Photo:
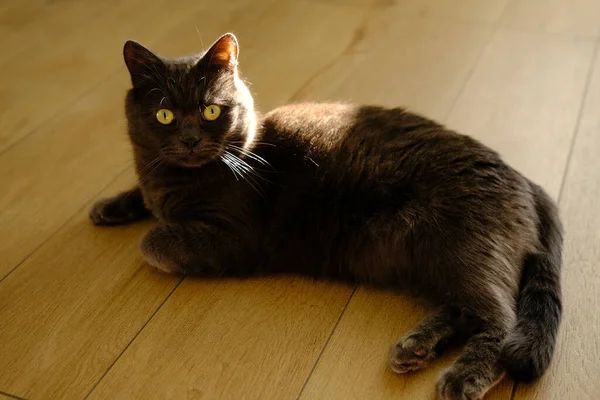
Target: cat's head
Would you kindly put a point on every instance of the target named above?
(188, 111)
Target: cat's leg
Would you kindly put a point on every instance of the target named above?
(121, 209)
(419, 346)
(477, 369)
(197, 249)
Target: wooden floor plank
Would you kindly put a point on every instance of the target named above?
(523, 100)
(569, 17)
(527, 126)
(228, 339)
(53, 173)
(575, 369)
(71, 309)
(487, 11)
(41, 27)
(424, 72)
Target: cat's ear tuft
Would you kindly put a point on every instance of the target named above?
(139, 61)
(224, 52)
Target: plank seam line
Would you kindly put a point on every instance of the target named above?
(469, 76)
(133, 338)
(67, 220)
(12, 396)
(56, 117)
(588, 81)
(309, 375)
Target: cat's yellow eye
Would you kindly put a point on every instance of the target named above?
(211, 112)
(165, 116)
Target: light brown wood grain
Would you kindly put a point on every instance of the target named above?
(459, 10)
(575, 369)
(52, 173)
(42, 26)
(569, 17)
(523, 100)
(388, 64)
(72, 307)
(229, 339)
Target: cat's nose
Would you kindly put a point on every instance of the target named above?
(190, 140)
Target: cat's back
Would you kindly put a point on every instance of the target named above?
(390, 155)
(346, 127)
(376, 141)
(317, 124)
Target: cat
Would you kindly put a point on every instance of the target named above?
(362, 194)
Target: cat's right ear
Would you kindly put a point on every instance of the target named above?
(141, 62)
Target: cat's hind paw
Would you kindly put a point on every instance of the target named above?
(410, 354)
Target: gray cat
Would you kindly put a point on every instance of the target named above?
(365, 194)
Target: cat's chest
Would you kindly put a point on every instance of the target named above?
(172, 202)
(154, 198)
(190, 201)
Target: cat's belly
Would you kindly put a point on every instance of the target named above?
(334, 233)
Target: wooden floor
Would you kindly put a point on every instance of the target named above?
(81, 316)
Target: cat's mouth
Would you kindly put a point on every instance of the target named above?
(195, 157)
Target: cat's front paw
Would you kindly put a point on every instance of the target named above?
(116, 211)
(410, 354)
(106, 212)
(156, 247)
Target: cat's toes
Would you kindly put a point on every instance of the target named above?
(465, 384)
(107, 212)
(410, 354)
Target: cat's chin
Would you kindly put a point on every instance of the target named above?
(191, 162)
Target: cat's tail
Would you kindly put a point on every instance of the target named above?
(527, 350)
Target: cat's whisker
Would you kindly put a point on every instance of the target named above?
(235, 167)
(248, 168)
(251, 155)
(226, 162)
(200, 36)
(149, 168)
(253, 142)
(152, 90)
(241, 169)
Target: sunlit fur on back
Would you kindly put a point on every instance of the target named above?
(357, 193)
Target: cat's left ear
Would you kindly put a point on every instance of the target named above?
(223, 53)
(140, 62)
